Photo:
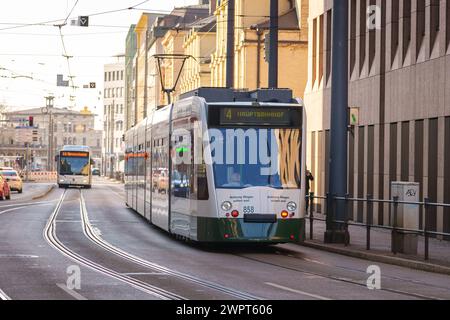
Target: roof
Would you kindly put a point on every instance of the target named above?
(207, 24)
(287, 21)
(38, 111)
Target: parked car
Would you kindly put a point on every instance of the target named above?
(96, 172)
(5, 192)
(13, 179)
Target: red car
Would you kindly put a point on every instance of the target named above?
(5, 191)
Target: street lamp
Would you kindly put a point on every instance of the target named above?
(48, 109)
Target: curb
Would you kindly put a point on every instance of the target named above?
(418, 265)
(39, 196)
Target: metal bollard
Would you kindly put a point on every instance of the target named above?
(394, 230)
(427, 207)
(311, 215)
(369, 220)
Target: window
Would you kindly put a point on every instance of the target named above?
(65, 128)
(420, 29)
(448, 24)
(314, 52)
(74, 140)
(106, 76)
(394, 30)
(406, 27)
(109, 76)
(362, 31)
(121, 108)
(353, 36)
(121, 75)
(435, 21)
(84, 141)
(113, 76)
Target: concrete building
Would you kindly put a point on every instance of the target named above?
(400, 81)
(69, 128)
(114, 117)
(251, 39)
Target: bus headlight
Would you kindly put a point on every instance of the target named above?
(226, 205)
(291, 206)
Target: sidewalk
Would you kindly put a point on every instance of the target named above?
(380, 248)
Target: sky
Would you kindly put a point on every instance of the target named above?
(32, 56)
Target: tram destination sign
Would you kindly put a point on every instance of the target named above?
(278, 117)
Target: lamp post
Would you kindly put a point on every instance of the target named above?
(48, 109)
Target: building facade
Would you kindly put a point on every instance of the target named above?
(200, 43)
(69, 128)
(130, 53)
(399, 80)
(251, 40)
(114, 117)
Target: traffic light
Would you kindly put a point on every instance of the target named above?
(30, 121)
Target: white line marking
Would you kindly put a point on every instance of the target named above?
(27, 204)
(145, 274)
(18, 208)
(73, 293)
(4, 296)
(297, 291)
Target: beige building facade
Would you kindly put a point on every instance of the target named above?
(251, 39)
(399, 79)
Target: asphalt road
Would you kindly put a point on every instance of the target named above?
(88, 245)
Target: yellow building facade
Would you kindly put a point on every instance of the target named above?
(251, 30)
(199, 43)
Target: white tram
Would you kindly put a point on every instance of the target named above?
(221, 166)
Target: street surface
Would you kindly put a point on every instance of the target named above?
(44, 243)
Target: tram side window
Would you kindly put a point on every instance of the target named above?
(188, 177)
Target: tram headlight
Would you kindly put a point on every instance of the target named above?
(291, 206)
(226, 205)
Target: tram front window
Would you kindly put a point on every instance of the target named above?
(74, 166)
(265, 157)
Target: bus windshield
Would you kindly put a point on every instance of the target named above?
(74, 166)
(252, 157)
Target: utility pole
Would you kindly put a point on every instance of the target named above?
(337, 232)
(230, 44)
(273, 50)
(111, 138)
(49, 111)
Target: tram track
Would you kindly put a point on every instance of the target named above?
(92, 235)
(50, 236)
(4, 296)
(335, 278)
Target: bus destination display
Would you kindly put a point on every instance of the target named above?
(74, 154)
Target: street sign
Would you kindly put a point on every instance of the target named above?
(353, 116)
(92, 85)
(83, 21)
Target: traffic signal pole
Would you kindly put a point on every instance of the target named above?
(337, 232)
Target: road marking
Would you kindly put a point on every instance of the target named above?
(27, 204)
(18, 208)
(297, 291)
(73, 293)
(4, 296)
(145, 274)
(26, 256)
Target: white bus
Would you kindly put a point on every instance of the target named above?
(74, 167)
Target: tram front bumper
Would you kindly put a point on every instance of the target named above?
(237, 230)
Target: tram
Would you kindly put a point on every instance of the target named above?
(221, 165)
(74, 167)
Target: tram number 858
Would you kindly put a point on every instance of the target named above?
(249, 209)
